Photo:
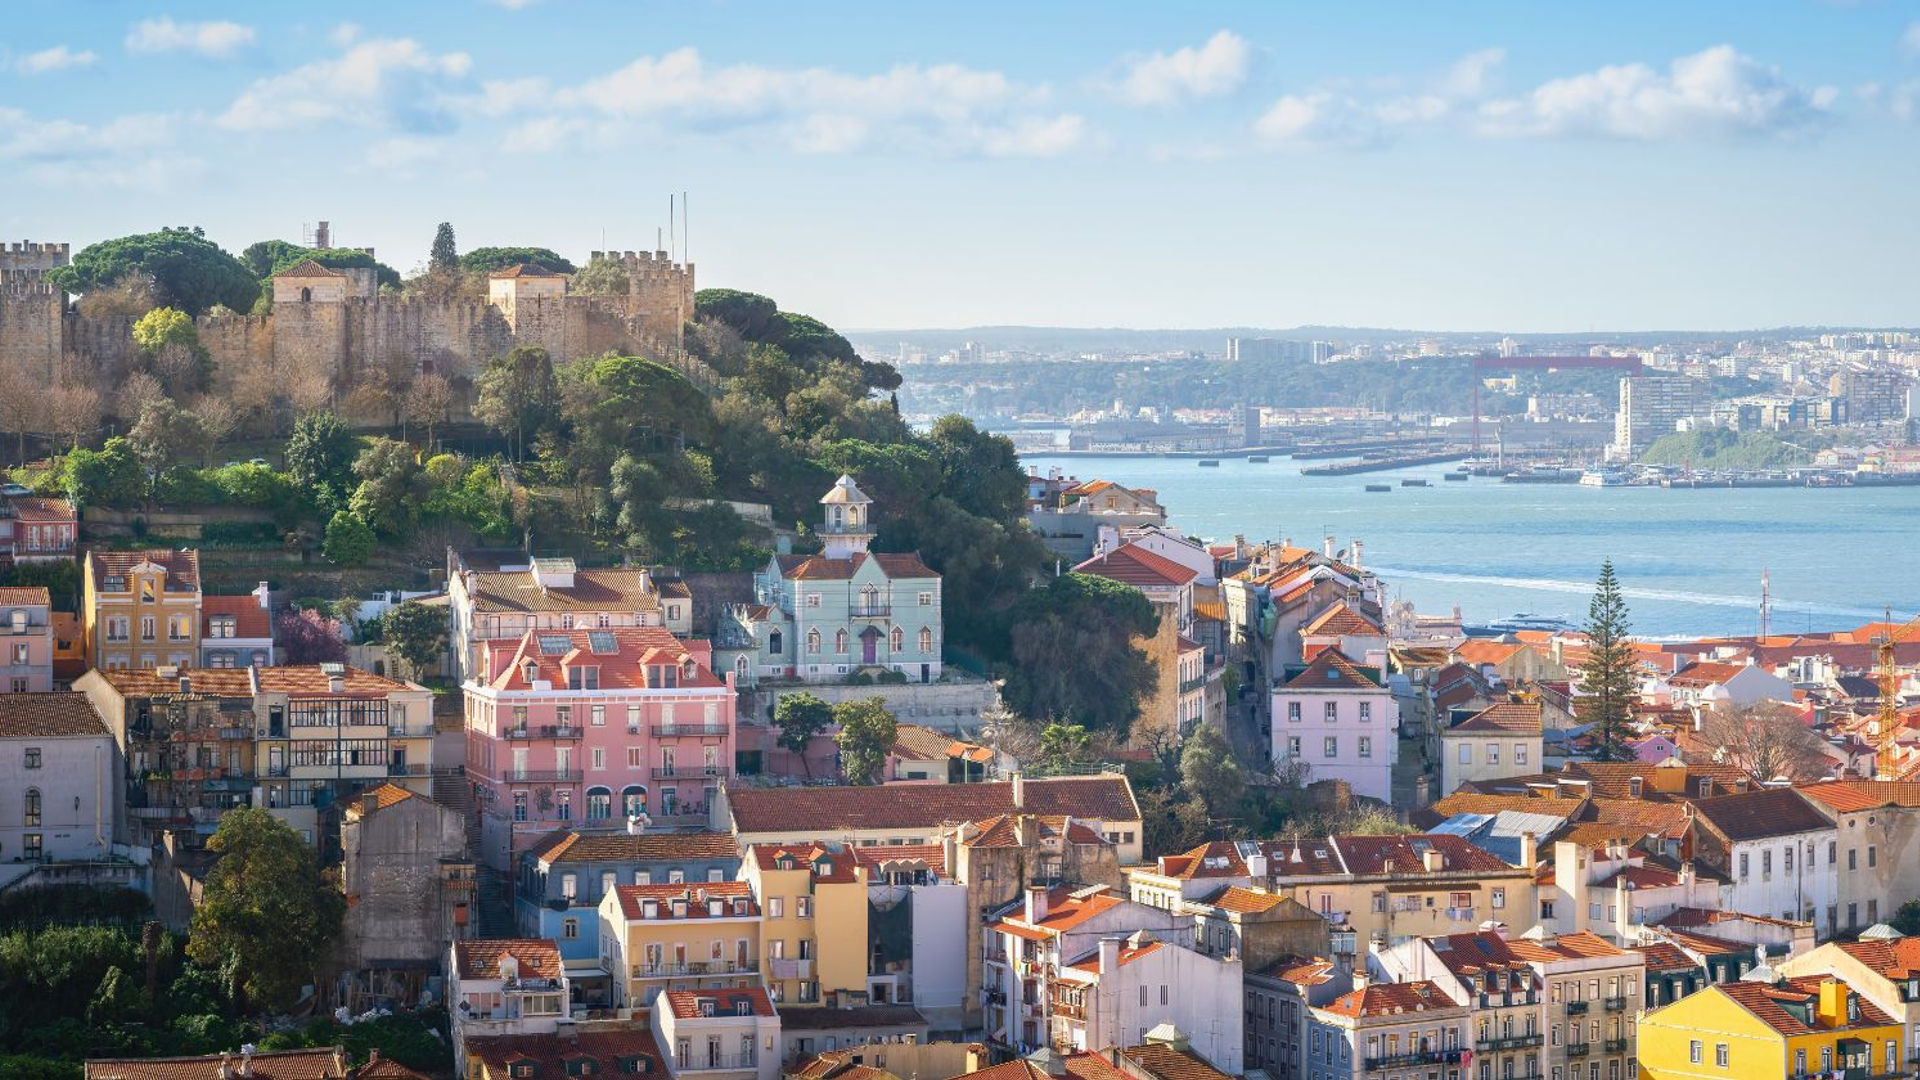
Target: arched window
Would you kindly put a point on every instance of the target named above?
(306, 295)
(869, 599)
(740, 665)
(599, 804)
(840, 642)
(774, 642)
(633, 800)
(926, 640)
(813, 641)
(898, 640)
(32, 820)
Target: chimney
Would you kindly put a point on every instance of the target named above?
(186, 683)
(1257, 870)
(246, 1061)
(1686, 873)
(336, 684)
(1019, 791)
(225, 1071)
(1360, 977)
(369, 802)
(1036, 908)
(263, 592)
(1023, 830)
(1529, 851)
(1109, 955)
(1356, 556)
(1433, 861)
(1833, 1004)
(1326, 545)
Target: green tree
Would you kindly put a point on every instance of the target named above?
(269, 257)
(867, 734)
(800, 717)
(1077, 624)
(518, 395)
(1169, 824)
(443, 257)
(165, 435)
(752, 316)
(1610, 676)
(1063, 746)
(392, 488)
(348, 541)
(320, 455)
(1209, 771)
(485, 260)
(187, 271)
(266, 914)
(109, 476)
(1907, 918)
(416, 633)
(601, 277)
(626, 403)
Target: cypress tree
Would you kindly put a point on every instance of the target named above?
(1609, 679)
(443, 256)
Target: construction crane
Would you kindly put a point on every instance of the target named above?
(1885, 767)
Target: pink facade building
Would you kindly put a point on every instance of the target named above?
(26, 631)
(594, 727)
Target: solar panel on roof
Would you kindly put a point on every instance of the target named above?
(602, 641)
(555, 645)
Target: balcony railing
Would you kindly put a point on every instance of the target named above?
(1576, 1008)
(542, 776)
(689, 772)
(1416, 1057)
(714, 1062)
(1579, 1049)
(401, 769)
(1614, 1046)
(1508, 1042)
(1616, 1004)
(668, 731)
(530, 985)
(1188, 686)
(558, 731)
(695, 967)
(871, 611)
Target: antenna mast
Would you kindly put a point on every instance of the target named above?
(1766, 605)
(673, 243)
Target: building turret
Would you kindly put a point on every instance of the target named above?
(847, 526)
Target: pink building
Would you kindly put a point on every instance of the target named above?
(36, 530)
(26, 666)
(594, 727)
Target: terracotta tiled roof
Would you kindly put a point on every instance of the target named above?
(24, 596)
(1768, 1003)
(182, 567)
(1703, 673)
(1300, 970)
(1216, 858)
(1064, 912)
(1166, 1063)
(249, 618)
(1248, 901)
(383, 796)
(524, 270)
(1707, 944)
(203, 682)
(550, 654)
(1469, 802)
(1332, 671)
(611, 1049)
(1613, 779)
(539, 958)
(579, 846)
(1508, 718)
(1668, 819)
(307, 268)
(824, 810)
(307, 680)
(884, 858)
(1343, 621)
(919, 743)
(299, 681)
(1753, 815)
(896, 566)
(39, 511)
(633, 899)
(685, 1004)
(1898, 959)
(385, 1068)
(1665, 956)
(1693, 916)
(593, 590)
(43, 716)
(325, 1063)
(831, 1064)
(1478, 651)
(828, 866)
(1131, 564)
(1390, 999)
(1128, 954)
(1001, 831)
(1850, 795)
(1375, 854)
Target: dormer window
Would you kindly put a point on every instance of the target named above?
(707, 1007)
(583, 678)
(530, 671)
(523, 1070)
(146, 590)
(824, 868)
(1633, 786)
(739, 907)
(743, 1007)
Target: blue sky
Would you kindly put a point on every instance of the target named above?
(1517, 166)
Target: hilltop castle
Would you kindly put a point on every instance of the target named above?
(336, 321)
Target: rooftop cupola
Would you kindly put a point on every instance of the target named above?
(847, 525)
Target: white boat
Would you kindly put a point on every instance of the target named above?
(1603, 478)
(1522, 621)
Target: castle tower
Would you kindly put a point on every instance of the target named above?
(533, 301)
(659, 292)
(847, 526)
(32, 320)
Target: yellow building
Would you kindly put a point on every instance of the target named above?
(142, 609)
(814, 930)
(679, 937)
(1790, 1028)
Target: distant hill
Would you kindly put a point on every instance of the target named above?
(1048, 339)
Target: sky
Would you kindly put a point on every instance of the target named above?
(1461, 166)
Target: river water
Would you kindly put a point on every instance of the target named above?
(1689, 561)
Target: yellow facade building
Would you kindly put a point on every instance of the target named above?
(141, 609)
(679, 937)
(1813, 1026)
(813, 899)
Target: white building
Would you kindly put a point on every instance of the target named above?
(510, 986)
(1126, 987)
(731, 1034)
(59, 780)
(1778, 854)
(1333, 720)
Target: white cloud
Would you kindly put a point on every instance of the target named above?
(134, 152)
(376, 83)
(217, 39)
(1216, 68)
(1716, 92)
(940, 108)
(345, 34)
(57, 58)
(1910, 39)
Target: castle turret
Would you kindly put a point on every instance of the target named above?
(847, 526)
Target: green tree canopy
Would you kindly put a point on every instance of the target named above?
(1081, 623)
(416, 633)
(109, 476)
(752, 316)
(348, 541)
(485, 260)
(800, 717)
(320, 455)
(266, 914)
(187, 271)
(443, 256)
(1610, 676)
(867, 734)
(392, 488)
(269, 257)
(1063, 746)
(518, 395)
(1209, 770)
(601, 277)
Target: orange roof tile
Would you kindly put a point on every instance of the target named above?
(580, 846)
(739, 1001)
(1386, 999)
(24, 596)
(625, 1050)
(1507, 718)
(824, 811)
(1342, 621)
(1332, 671)
(1131, 564)
(383, 795)
(324, 1063)
(1167, 1063)
(182, 567)
(693, 900)
(1850, 795)
(550, 654)
(826, 865)
(48, 716)
(1768, 1002)
(539, 958)
(250, 619)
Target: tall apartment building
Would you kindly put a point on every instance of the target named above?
(142, 609)
(1872, 395)
(1654, 405)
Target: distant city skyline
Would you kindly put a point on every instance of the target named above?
(1476, 168)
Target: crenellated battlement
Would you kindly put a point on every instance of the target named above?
(24, 283)
(28, 247)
